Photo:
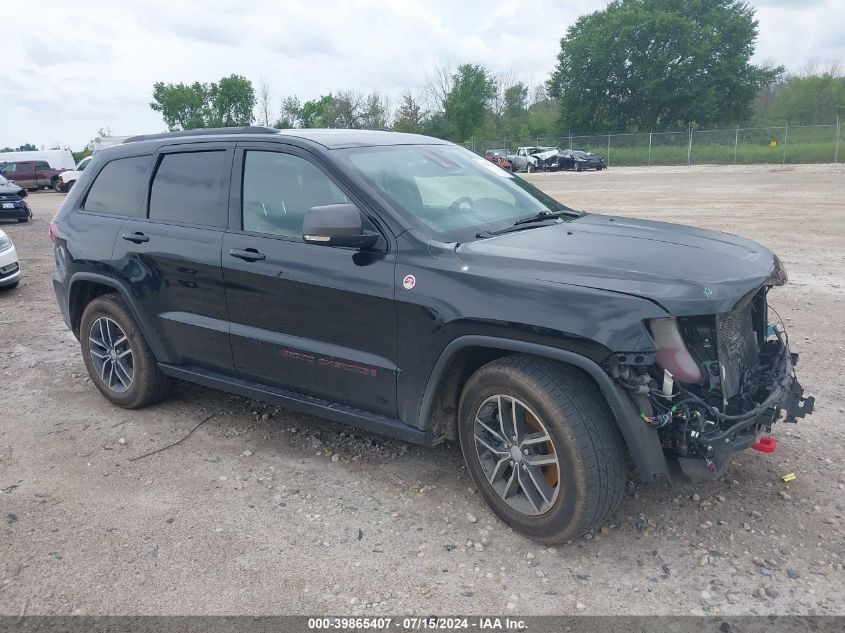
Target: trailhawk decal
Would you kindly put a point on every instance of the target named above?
(364, 370)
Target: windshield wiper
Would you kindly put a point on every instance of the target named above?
(546, 215)
(524, 223)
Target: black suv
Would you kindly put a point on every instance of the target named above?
(404, 285)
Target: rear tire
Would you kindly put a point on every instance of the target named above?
(118, 359)
(580, 458)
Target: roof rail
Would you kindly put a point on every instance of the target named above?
(209, 131)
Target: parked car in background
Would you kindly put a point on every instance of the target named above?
(547, 158)
(12, 203)
(68, 178)
(580, 159)
(426, 295)
(32, 174)
(56, 158)
(499, 157)
(10, 269)
(523, 160)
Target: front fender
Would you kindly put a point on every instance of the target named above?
(643, 442)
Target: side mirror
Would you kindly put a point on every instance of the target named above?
(336, 225)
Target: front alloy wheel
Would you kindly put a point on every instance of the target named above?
(517, 455)
(541, 446)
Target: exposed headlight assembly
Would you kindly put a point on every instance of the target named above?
(672, 353)
(5, 243)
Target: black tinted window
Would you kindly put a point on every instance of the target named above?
(119, 187)
(279, 188)
(187, 188)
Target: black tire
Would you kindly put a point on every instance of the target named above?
(148, 384)
(529, 168)
(23, 219)
(10, 286)
(591, 456)
(577, 167)
(57, 185)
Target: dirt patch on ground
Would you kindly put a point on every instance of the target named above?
(267, 511)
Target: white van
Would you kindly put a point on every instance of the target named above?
(56, 158)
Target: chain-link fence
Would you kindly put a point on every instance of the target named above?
(788, 144)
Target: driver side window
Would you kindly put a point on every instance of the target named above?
(279, 188)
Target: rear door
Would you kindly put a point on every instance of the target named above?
(172, 256)
(39, 173)
(315, 320)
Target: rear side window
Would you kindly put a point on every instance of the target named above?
(119, 187)
(187, 188)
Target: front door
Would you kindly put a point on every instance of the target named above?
(315, 320)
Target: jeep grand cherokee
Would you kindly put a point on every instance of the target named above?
(404, 285)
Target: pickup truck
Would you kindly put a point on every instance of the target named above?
(32, 174)
(68, 178)
(523, 159)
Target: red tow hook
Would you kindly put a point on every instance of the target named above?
(765, 445)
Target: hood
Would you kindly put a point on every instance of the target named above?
(9, 188)
(685, 270)
(549, 153)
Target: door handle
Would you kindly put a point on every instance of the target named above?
(135, 237)
(247, 254)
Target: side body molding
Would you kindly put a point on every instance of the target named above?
(642, 441)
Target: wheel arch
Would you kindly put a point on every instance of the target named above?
(464, 355)
(85, 287)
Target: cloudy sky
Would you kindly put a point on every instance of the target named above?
(86, 65)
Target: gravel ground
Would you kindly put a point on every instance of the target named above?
(266, 511)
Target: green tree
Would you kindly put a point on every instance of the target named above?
(318, 112)
(515, 100)
(182, 106)
(291, 112)
(227, 103)
(813, 98)
(410, 116)
(648, 64)
(465, 106)
(231, 102)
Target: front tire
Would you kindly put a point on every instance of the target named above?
(118, 359)
(529, 168)
(563, 474)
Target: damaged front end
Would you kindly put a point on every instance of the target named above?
(715, 384)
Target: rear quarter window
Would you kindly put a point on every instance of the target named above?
(187, 188)
(119, 187)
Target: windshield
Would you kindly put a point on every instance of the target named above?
(448, 192)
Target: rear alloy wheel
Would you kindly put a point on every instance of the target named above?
(541, 446)
(118, 359)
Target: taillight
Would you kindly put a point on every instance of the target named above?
(53, 231)
(672, 352)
